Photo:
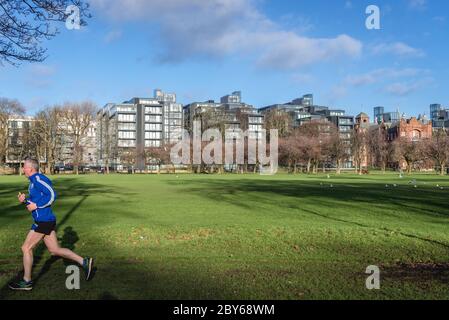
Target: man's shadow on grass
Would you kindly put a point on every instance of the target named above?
(68, 240)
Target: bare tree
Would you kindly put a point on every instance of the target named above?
(337, 148)
(379, 149)
(288, 152)
(78, 118)
(280, 120)
(49, 132)
(408, 151)
(311, 140)
(24, 24)
(128, 156)
(7, 109)
(158, 156)
(359, 148)
(438, 149)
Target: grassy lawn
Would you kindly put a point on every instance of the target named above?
(238, 236)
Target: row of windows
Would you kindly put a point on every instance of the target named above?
(127, 126)
(255, 119)
(153, 118)
(126, 109)
(152, 135)
(174, 108)
(345, 121)
(173, 122)
(127, 134)
(149, 118)
(152, 143)
(154, 110)
(173, 115)
(153, 126)
(254, 127)
(127, 143)
(345, 128)
(127, 117)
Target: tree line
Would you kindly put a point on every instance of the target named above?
(319, 145)
(56, 134)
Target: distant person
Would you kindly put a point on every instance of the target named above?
(40, 199)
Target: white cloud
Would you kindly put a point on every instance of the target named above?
(380, 75)
(40, 76)
(417, 4)
(407, 88)
(439, 19)
(398, 48)
(112, 36)
(398, 82)
(216, 28)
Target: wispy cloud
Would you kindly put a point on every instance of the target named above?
(407, 88)
(397, 48)
(383, 74)
(112, 36)
(394, 81)
(40, 76)
(417, 4)
(217, 28)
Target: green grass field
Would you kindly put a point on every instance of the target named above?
(238, 236)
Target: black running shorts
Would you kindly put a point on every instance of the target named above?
(44, 227)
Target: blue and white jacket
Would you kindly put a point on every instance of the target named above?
(41, 192)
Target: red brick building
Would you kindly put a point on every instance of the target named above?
(413, 129)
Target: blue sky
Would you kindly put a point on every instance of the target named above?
(273, 51)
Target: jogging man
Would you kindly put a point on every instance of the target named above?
(40, 199)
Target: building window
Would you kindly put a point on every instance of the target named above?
(127, 126)
(153, 110)
(126, 135)
(126, 109)
(153, 126)
(127, 117)
(153, 118)
(152, 135)
(152, 143)
(255, 127)
(175, 108)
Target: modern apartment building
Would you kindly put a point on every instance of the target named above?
(229, 114)
(439, 116)
(126, 129)
(303, 110)
(380, 116)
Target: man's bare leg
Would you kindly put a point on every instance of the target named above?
(51, 241)
(31, 241)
